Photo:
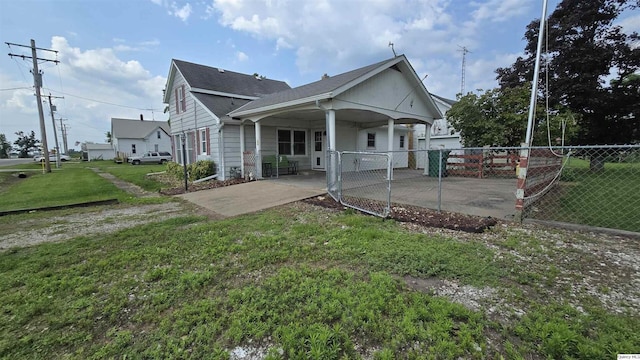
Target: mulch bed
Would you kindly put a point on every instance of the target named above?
(201, 186)
(421, 216)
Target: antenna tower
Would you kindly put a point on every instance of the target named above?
(464, 65)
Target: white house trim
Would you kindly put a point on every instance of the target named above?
(219, 93)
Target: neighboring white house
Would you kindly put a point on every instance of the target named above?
(99, 151)
(134, 137)
(442, 134)
(234, 118)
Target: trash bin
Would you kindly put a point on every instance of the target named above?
(434, 163)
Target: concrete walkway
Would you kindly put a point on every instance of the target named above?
(249, 197)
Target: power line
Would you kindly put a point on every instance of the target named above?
(102, 102)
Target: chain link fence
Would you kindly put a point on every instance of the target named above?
(596, 186)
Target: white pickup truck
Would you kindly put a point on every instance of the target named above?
(151, 157)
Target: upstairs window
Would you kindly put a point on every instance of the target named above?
(181, 101)
(159, 137)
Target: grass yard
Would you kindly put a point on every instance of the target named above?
(73, 183)
(132, 173)
(60, 187)
(610, 198)
(301, 282)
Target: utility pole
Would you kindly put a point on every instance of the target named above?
(464, 65)
(63, 129)
(37, 83)
(55, 134)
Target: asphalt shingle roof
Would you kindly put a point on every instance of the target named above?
(315, 88)
(135, 129)
(448, 101)
(209, 78)
(219, 105)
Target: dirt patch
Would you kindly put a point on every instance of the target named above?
(421, 216)
(133, 189)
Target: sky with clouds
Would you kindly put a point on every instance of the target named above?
(114, 55)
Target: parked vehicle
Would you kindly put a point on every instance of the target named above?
(52, 157)
(151, 157)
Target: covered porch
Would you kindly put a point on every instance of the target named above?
(368, 109)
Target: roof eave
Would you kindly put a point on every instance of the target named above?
(265, 109)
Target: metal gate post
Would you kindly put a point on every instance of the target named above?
(439, 180)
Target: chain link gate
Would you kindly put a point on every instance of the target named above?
(361, 180)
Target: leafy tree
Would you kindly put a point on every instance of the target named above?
(26, 143)
(586, 48)
(108, 136)
(499, 118)
(5, 147)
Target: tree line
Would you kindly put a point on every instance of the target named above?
(590, 79)
(25, 144)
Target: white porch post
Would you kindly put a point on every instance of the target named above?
(391, 124)
(242, 147)
(427, 143)
(331, 129)
(258, 151)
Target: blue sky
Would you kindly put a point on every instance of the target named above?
(115, 54)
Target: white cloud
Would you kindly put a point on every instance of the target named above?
(499, 10)
(183, 12)
(630, 24)
(97, 84)
(242, 56)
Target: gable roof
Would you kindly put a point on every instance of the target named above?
(319, 87)
(219, 105)
(331, 87)
(444, 100)
(224, 81)
(135, 129)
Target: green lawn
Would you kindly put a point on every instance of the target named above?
(73, 183)
(296, 282)
(610, 198)
(69, 185)
(132, 173)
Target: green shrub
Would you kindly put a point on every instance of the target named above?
(198, 170)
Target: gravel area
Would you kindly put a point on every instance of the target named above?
(87, 223)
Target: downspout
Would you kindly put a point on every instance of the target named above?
(221, 171)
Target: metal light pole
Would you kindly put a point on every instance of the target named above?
(183, 138)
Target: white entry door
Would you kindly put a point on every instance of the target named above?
(319, 147)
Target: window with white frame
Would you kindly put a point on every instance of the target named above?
(401, 141)
(203, 141)
(158, 136)
(181, 101)
(292, 142)
(133, 148)
(178, 148)
(371, 140)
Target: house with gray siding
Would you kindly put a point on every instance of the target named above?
(236, 119)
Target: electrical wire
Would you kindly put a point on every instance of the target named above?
(102, 102)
